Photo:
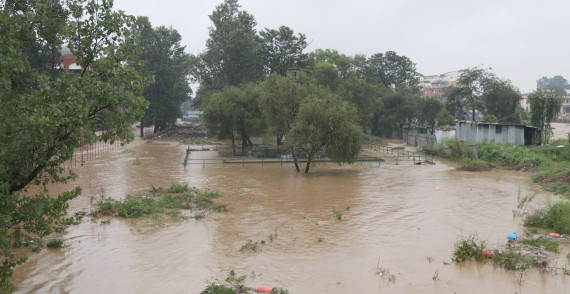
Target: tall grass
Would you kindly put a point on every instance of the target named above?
(555, 216)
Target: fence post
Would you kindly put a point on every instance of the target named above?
(243, 162)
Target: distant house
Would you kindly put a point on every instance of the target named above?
(69, 61)
(435, 86)
(479, 132)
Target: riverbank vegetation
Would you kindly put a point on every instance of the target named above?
(518, 255)
(162, 201)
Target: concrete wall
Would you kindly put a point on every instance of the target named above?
(413, 137)
(489, 132)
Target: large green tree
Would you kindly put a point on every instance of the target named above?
(428, 111)
(501, 99)
(46, 114)
(365, 97)
(234, 112)
(325, 123)
(544, 106)
(558, 83)
(282, 49)
(165, 60)
(468, 94)
(398, 109)
(233, 51)
(279, 103)
(392, 70)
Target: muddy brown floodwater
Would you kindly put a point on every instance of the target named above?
(393, 222)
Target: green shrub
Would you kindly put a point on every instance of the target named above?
(468, 248)
(179, 188)
(512, 260)
(558, 217)
(548, 244)
(55, 243)
(136, 207)
(555, 217)
(217, 289)
(106, 206)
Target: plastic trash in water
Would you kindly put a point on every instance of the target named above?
(554, 235)
(512, 236)
(264, 289)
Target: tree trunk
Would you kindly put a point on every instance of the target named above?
(243, 143)
(233, 144)
(473, 114)
(295, 159)
(142, 129)
(309, 159)
(279, 141)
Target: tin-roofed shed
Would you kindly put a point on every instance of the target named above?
(479, 132)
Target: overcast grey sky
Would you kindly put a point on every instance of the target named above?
(522, 40)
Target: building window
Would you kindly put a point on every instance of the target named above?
(498, 129)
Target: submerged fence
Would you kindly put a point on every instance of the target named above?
(394, 155)
(89, 152)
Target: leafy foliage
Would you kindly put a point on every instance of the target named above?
(165, 60)
(326, 123)
(45, 113)
(556, 216)
(233, 52)
(282, 49)
(468, 248)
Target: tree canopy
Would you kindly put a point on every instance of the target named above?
(233, 51)
(45, 114)
(282, 49)
(165, 60)
(325, 123)
(559, 83)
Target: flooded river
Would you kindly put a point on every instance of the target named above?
(395, 234)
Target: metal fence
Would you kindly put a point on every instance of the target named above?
(394, 155)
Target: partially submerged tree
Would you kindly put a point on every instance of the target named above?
(44, 116)
(233, 112)
(279, 103)
(326, 124)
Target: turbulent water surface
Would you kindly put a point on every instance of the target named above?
(396, 232)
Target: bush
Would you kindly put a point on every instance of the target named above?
(218, 289)
(512, 260)
(136, 207)
(556, 217)
(179, 188)
(468, 248)
(55, 243)
(546, 243)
